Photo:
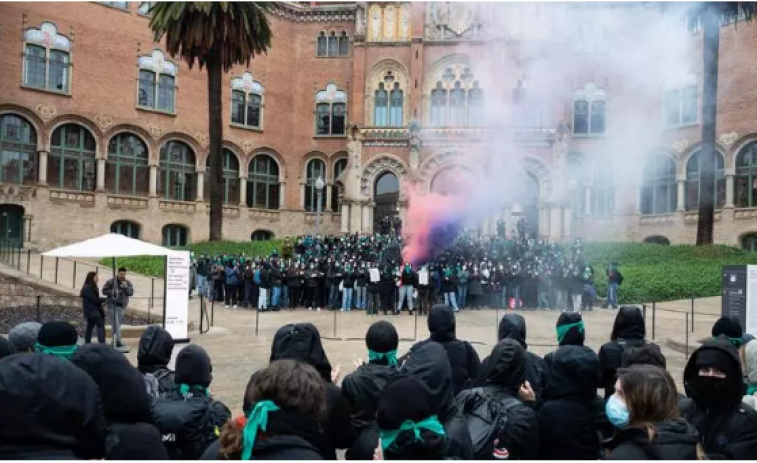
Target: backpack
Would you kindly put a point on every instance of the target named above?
(152, 382)
(485, 417)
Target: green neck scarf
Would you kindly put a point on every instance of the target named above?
(391, 356)
(737, 342)
(430, 424)
(562, 330)
(59, 351)
(186, 389)
(256, 420)
(751, 389)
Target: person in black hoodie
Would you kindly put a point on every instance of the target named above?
(92, 305)
(570, 332)
(568, 418)
(429, 363)
(6, 348)
(284, 407)
(408, 419)
(51, 410)
(125, 403)
(153, 356)
(363, 387)
(189, 418)
(714, 384)
(302, 342)
(513, 326)
(505, 383)
(627, 332)
(644, 408)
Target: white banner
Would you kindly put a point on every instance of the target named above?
(751, 300)
(177, 294)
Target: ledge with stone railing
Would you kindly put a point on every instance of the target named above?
(82, 197)
(177, 206)
(745, 214)
(657, 219)
(693, 216)
(271, 215)
(126, 202)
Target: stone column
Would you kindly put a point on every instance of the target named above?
(243, 191)
(42, 173)
(371, 210)
(681, 196)
(728, 191)
(327, 206)
(282, 193)
(365, 226)
(587, 206)
(555, 223)
(100, 175)
(543, 220)
(200, 186)
(345, 226)
(567, 222)
(153, 182)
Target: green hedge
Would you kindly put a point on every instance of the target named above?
(651, 272)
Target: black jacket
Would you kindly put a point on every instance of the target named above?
(729, 430)
(91, 302)
(513, 326)
(628, 331)
(50, 410)
(153, 356)
(673, 440)
(302, 341)
(567, 419)
(504, 375)
(126, 405)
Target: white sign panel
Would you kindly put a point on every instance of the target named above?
(177, 294)
(423, 277)
(751, 299)
(375, 277)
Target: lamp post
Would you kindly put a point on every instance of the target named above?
(319, 184)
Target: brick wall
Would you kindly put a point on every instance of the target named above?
(19, 290)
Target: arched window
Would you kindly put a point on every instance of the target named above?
(746, 176)
(261, 235)
(386, 194)
(177, 178)
(263, 183)
(657, 239)
(749, 242)
(331, 111)
(175, 235)
(475, 106)
(127, 172)
(439, 106)
(321, 47)
(603, 192)
(589, 110)
(72, 163)
(157, 82)
(457, 107)
(247, 101)
(315, 169)
(658, 192)
(18, 151)
(230, 166)
(450, 98)
(339, 167)
(344, 44)
(693, 185)
(47, 59)
(396, 102)
(126, 228)
(381, 108)
(333, 44)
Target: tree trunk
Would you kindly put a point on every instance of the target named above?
(707, 160)
(215, 130)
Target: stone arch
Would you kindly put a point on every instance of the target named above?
(278, 159)
(190, 141)
(657, 239)
(378, 165)
(31, 118)
(64, 119)
(309, 157)
(540, 171)
(683, 159)
(438, 162)
(376, 76)
(735, 150)
(144, 135)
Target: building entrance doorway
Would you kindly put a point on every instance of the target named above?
(12, 225)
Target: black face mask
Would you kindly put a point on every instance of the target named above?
(710, 391)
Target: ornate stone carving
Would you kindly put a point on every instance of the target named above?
(360, 19)
(656, 219)
(693, 217)
(204, 139)
(746, 214)
(727, 139)
(73, 196)
(104, 120)
(455, 20)
(376, 166)
(264, 214)
(680, 146)
(324, 13)
(177, 206)
(46, 112)
(246, 145)
(230, 211)
(155, 130)
(13, 193)
(118, 202)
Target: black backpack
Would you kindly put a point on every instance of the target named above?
(486, 417)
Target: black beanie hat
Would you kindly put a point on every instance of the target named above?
(57, 334)
(728, 326)
(382, 337)
(404, 399)
(719, 359)
(193, 367)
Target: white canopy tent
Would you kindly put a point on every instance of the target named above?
(115, 245)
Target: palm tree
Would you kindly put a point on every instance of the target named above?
(710, 15)
(215, 35)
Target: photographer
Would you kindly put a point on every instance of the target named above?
(118, 301)
(92, 304)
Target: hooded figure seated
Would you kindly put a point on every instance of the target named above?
(153, 356)
(57, 338)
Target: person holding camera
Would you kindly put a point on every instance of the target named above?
(118, 294)
(92, 304)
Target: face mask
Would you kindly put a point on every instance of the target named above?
(710, 391)
(617, 412)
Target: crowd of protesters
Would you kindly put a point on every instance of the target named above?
(437, 401)
(366, 272)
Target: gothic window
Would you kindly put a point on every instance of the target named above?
(439, 106)
(344, 44)
(681, 106)
(693, 184)
(247, 101)
(589, 111)
(332, 44)
(72, 164)
(18, 150)
(658, 192)
(475, 106)
(339, 167)
(746, 176)
(331, 111)
(456, 100)
(315, 169)
(126, 228)
(457, 106)
(157, 83)
(47, 59)
(230, 167)
(396, 105)
(321, 45)
(175, 235)
(177, 178)
(263, 183)
(127, 171)
(381, 108)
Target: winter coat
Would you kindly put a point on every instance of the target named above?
(475, 288)
(728, 431)
(51, 410)
(361, 278)
(673, 440)
(154, 355)
(232, 276)
(449, 283)
(125, 290)
(302, 342)
(408, 278)
(628, 331)
(504, 375)
(265, 278)
(91, 302)
(348, 280)
(750, 366)
(276, 277)
(567, 424)
(126, 405)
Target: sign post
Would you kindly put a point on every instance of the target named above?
(740, 295)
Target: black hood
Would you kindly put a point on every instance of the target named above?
(726, 359)
(629, 324)
(122, 388)
(673, 440)
(155, 349)
(428, 362)
(6, 348)
(301, 341)
(49, 403)
(574, 336)
(573, 373)
(193, 367)
(513, 326)
(441, 323)
(507, 366)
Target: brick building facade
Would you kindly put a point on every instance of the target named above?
(101, 130)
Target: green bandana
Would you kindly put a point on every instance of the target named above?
(391, 356)
(562, 330)
(60, 351)
(737, 342)
(751, 389)
(186, 389)
(257, 419)
(431, 424)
